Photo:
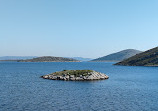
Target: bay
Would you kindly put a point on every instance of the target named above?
(128, 88)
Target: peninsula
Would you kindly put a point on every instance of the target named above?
(147, 58)
(76, 75)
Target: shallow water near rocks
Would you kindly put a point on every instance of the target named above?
(127, 89)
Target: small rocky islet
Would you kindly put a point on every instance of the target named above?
(76, 75)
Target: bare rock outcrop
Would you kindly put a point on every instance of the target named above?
(76, 75)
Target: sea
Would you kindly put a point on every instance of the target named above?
(129, 88)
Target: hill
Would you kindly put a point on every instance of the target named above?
(147, 58)
(119, 56)
(49, 59)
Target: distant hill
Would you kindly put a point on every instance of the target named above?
(49, 59)
(119, 56)
(147, 58)
(81, 58)
(16, 57)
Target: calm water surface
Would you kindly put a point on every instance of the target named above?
(127, 89)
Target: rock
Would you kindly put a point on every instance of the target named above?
(79, 79)
(72, 79)
(90, 77)
(76, 75)
(72, 76)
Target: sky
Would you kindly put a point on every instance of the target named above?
(77, 28)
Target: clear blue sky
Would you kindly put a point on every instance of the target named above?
(68, 28)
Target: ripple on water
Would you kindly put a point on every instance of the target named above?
(127, 89)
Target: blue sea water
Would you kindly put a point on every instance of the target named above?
(127, 89)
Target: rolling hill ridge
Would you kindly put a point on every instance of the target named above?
(147, 58)
(49, 59)
(118, 56)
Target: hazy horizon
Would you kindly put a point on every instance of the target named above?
(45, 55)
(84, 28)
(64, 56)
